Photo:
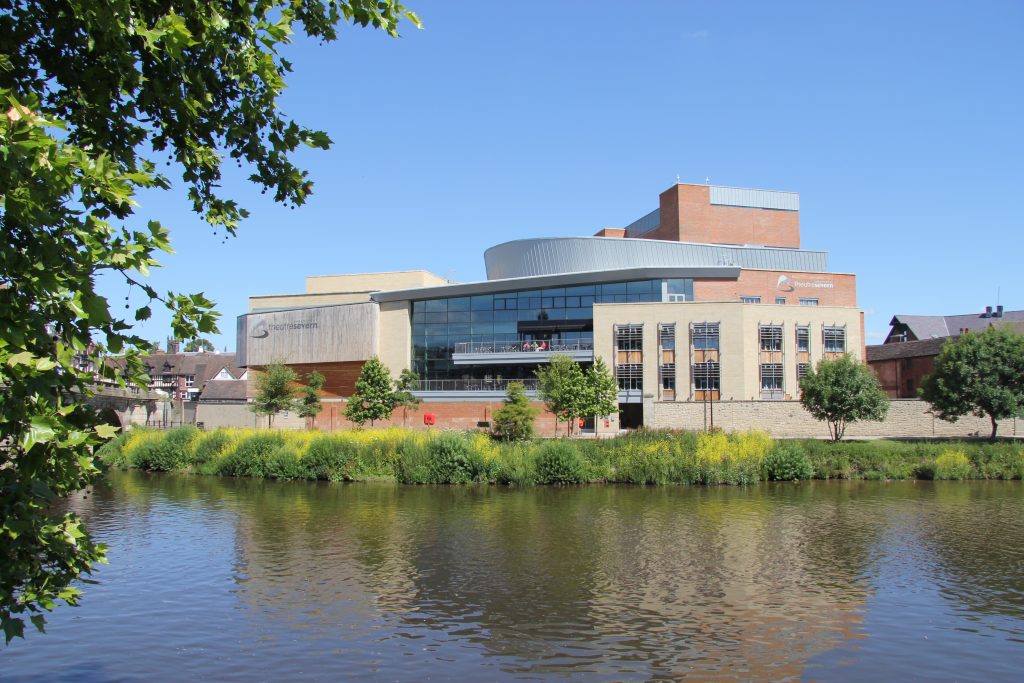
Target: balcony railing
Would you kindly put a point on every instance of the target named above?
(473, 384)
(525, 346)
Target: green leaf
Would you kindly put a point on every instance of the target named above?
(106, 431)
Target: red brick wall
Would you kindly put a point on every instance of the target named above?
(454, 415)
(764, 283)
(687, 215)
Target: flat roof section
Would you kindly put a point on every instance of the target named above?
(558, 280)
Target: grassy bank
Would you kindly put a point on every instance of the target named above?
(645, 457)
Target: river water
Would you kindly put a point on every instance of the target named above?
(231, 579)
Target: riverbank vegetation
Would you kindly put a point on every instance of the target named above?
(644, 457)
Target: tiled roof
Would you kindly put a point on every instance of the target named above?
(931, 326)
(224, 390)
(910, 349)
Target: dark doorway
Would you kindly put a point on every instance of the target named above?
(631, 415)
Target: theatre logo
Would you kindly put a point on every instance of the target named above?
(262, 329)
(788, 284)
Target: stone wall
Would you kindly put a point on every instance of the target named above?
(907, 418)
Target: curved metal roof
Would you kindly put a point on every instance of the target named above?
(556, 255)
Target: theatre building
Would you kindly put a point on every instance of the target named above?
(707, 298)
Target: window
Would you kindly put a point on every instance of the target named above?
(679, 289)
(630, 376)
(190, 380)
(801, 370)
(750, 299)
(668, 377)
(629, 337)
(808, 302)
(166, 379)
(834, 339)
(667, 361)
(668, 337)
(704, 336)
(771, 380)
(706, 378)
(780, 299)
(770, 337)
(803, 340)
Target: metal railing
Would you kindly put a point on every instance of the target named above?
(525, 346)
(473, 384)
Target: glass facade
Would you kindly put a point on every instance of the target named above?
(557, 315)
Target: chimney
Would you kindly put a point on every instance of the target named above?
(999, 311)
(174, 345)
(987, 313)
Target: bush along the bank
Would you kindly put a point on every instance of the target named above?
(643, 457)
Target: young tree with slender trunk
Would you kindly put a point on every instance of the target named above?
(406, 383)
(980, 373)
(841, 392)
(562, 386)
(275, 391)
(309, 398)
(374, 398)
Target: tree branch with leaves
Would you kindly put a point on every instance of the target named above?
(94, 94)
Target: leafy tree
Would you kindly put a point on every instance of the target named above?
(601, 391)
(309, 399)
(95, 93)
(407, 381)
(562, 386)
(979, 373)
(514, 420)
(199, 345)
(275, 391)
(374, 398)
(841, 392)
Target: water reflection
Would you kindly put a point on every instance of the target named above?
(302, 580)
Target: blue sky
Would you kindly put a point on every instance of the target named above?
(900, 124)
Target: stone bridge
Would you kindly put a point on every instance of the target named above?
(126, 409)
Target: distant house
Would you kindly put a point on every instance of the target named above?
(908, 354)
(901, 366)
(906, 328)
(183, 374)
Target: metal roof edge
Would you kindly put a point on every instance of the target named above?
(556, 280)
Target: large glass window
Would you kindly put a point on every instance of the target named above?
(770, 337)
(490, 319)
(704, 336)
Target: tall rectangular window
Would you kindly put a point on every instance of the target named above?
(834, 339)
(771, 380)
(803, 340)
(629, 348)
(667, 361)
(770, 337)
(706, 371)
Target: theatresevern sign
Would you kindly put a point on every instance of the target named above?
(262, 329)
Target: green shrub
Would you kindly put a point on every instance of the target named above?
(413, 463)
(283, 463)
(952, 464)
(452, 461)
(209, 447)
(251, 456)
(112, 452)
(516, 466)
(788, 462)
(558, 462)
(331, 459)
(171, 451)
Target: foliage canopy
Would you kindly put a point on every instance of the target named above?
(93, 95)
(842, 391)
(374, 398)
(514, 420)
(980, 373)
